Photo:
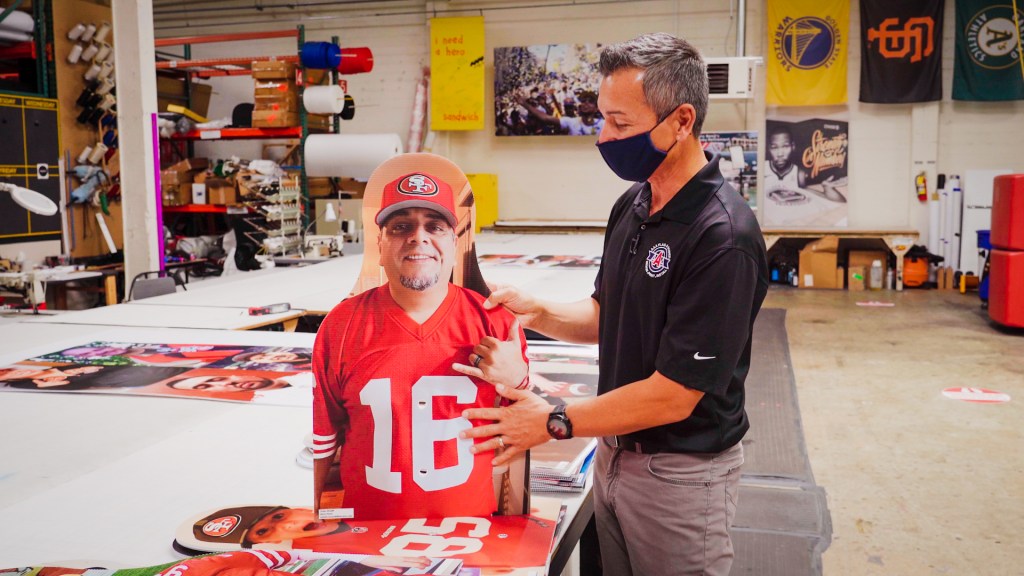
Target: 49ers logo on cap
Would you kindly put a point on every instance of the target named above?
(417, 185)
(222, 526)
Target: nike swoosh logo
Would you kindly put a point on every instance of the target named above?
(697, 356)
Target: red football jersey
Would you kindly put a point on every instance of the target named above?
(385, 391)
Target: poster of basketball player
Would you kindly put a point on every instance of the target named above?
(805, 183)
(547, 90)
(737, 153)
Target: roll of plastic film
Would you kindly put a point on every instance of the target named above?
(324, 99)
(92, 72)
(76, 31)
(355, 61)
(352, 155)
(320, 55)
(90, 52)
(88, 33)
(104, 51)
(76, 54)
(101, 34)
(98, 153)
(84, 155)
(106, 85)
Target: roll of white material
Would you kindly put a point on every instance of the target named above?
(75, 54)
(103, 53)
(90, 52)
(14, 36)
(351, 155)
(76, 31)
(101, 34)
(90, 30)
(324, 99)
(19, 22)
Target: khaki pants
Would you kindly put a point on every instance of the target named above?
(665, 513)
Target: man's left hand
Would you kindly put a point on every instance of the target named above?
(497, 361)
(516, 428)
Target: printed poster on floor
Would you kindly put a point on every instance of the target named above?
(738, 154)
(805, 181)
(547, 90)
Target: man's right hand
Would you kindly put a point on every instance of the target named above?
(524, 306)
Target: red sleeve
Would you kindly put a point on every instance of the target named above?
(242, 563)
(328, 413)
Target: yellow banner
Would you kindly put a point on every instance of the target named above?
(457, 73)
(807, 42)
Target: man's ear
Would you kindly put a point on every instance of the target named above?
(686, 117)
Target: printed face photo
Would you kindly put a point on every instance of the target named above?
(290, 524)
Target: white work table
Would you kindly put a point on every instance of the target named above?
(104, 480)
(152, 315)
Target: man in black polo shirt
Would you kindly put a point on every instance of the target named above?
(682, 278)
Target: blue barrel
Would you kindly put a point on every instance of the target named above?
(984, 244)
(320, 55)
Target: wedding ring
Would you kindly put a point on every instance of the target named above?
(501, 443)
(476, 363)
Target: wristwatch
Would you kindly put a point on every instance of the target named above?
(559, 425)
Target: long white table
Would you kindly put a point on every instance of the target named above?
(153, 315)
(104, 480)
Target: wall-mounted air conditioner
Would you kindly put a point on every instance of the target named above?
(731, 77)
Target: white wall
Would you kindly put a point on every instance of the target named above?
(562, 177)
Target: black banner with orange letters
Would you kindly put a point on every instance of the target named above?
(901, 51)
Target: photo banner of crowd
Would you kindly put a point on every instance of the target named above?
(547, 90)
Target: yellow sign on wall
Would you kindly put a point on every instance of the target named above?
(457, 73)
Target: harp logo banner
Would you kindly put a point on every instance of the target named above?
(808, 61)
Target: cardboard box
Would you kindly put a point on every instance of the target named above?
(273, 70)
(274, 119)
(171, 90)
(278, 100)
(179, 195)
(275, 88)
(319, 187)
(352, 186)
(221, 191)
(865, 258)
(857, 279)
(818, 263)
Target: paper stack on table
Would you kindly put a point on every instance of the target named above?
(561, 466)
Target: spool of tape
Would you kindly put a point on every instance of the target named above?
(104, 51)
(105, 71)
(84, 156)
(76, 31)
(88, 33)
(90, 52)
(324, 99)
(75, 55)
(92, 72)
(101, 34)
(320, 55)
(97, 153)
(355, 61)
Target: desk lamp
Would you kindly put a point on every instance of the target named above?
(30, 200)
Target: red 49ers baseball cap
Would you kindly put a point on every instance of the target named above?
(417, 190)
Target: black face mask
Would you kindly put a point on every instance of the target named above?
(634, 158)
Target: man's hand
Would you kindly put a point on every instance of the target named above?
(518, 427)
(524, 306)
(497, 361)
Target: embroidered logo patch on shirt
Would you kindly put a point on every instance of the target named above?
(658, 259)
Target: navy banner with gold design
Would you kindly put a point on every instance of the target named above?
(988, 51)
(807, 61)
(901, 51)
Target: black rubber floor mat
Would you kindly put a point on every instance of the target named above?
(768, 554)
(774, 447)
(799, 511)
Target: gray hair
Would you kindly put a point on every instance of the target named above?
(674, 72)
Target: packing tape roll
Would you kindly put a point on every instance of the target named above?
(76, 31)
(101, 34)
(98, 153)
(324, 99)
(350, 155)
(87, 35)
(103, 53)
(84, 156)
(93, 72)
(90, 52)
(75, 55)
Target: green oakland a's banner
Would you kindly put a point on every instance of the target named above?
(988, 51)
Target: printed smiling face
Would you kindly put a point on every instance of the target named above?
(274, 357)
(289, 524)
(417, 248)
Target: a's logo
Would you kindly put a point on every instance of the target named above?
(992, 37)
(807, 43)
(219, 527)
(658, 259)
(915, 39)
(417, 185)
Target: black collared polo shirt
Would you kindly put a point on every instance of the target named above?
(678, 293)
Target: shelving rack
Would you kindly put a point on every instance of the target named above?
(240, 66)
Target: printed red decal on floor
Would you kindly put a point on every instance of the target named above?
(980, 395)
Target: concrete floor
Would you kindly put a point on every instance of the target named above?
(917, 483)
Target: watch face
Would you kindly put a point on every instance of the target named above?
(558, 429)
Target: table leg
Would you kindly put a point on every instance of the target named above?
(110, 289)
(899, 245)
(289, 325)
